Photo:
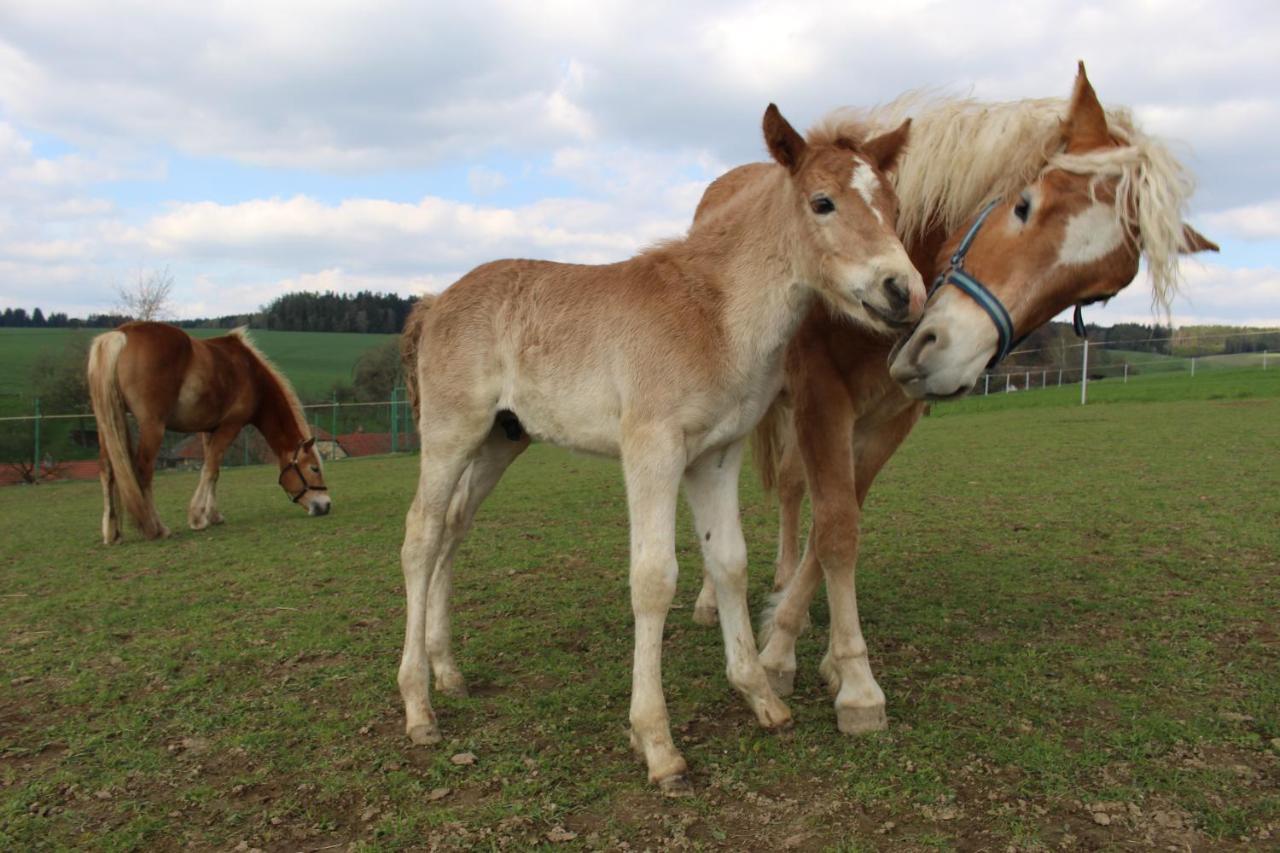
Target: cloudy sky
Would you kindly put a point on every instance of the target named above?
(256, 148)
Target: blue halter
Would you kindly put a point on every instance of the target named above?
(955, 274)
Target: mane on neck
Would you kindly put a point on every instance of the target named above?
(286, 392)
(963, 152)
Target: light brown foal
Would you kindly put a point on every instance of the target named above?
(667, 360)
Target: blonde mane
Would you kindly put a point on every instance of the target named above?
(241, 333)
(964, 152)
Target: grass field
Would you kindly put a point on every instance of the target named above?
(1072, 612)
(313, 361)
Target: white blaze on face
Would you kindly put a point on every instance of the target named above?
(1091, 234)
(866, 183)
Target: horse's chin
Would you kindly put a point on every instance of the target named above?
(319, 506)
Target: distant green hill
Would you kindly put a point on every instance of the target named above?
(313, 361)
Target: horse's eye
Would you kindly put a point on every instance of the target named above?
(822, 205)
(1023, 208)
(315, 469)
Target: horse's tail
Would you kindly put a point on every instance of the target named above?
(409, 339)
(769, 441)
(113, 429)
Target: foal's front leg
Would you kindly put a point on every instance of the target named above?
(653, 461)
(711, 485)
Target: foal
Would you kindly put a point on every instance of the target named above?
(170, 380)
(666, 360)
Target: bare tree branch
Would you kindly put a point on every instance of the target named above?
(147, 297)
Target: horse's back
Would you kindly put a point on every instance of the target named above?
(151, 366)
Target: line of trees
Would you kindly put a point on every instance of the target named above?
(365, 311)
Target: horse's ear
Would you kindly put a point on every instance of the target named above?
(1193, 241)
(309, 443)
(786, 146)
(886, 149)
(1085, 127)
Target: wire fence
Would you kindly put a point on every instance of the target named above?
(37, 445)
(44, 446)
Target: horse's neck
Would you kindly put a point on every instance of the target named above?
(764, 299)
(923, 251)
(275, 417)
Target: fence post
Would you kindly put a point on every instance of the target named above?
(333, 419)
(1059, 377)
(395, 422)
(1193, 366)
(1126, 373)
(986, 380)
(1006, 382)
(1264, 359)
(1044, 379)
(1026, 381)
(1084, 375)
(36, 459)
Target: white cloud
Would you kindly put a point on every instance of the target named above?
(633, 105)
(1252, 222)
(1210, 293)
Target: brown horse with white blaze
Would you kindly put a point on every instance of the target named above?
(168, 380)
(1016, 211)
(666, 360)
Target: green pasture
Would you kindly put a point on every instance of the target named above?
(1071, 610)
(1218, 384)
(313, 361)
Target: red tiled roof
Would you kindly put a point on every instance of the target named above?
(365, 443)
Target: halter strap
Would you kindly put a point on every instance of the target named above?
(956, 274)
(293, 464)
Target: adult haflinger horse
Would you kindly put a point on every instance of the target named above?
(1015, 211)
(217, 386)
(666, 360)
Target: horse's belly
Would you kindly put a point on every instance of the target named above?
(582, 418)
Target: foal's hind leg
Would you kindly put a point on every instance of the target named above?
(447, 449)
(711, 485)
(497, 452)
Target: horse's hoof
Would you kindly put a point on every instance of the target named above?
(217, 518)
(782, 681)
(198, 523)
(706, 616)
(779, 723)
(858, 721)
(424, 735)
(676, 786)
(454, 688)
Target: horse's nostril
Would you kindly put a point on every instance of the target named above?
(896, 292)
(928, 339)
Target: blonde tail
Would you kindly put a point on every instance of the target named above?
(113, 429)
(409, 339)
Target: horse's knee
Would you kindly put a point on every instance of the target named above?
(653, 585)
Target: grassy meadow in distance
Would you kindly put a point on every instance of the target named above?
(313, 361)
(1071, 610)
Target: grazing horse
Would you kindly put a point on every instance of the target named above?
(1015, 211)
(666, 360)
(217, 386)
